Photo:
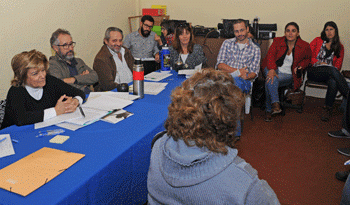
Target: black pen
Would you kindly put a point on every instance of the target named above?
(81, 110)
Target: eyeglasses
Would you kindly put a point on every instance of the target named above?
(67, 45)
(148, 26)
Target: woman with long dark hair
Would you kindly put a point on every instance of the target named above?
(285, 57)
(327, 60)
(184, 49)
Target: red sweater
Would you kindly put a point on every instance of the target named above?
(316, 45)
(301, 56)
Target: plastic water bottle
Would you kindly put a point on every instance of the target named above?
(165, 59)
(138, 78)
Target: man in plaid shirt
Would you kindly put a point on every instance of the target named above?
(240, 56)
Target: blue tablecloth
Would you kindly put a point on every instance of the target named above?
(115, 167)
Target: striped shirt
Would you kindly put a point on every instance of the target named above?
(231, 55)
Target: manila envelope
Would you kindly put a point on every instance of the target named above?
(31, 172)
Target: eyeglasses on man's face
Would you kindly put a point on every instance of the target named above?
(68, 45)
(147, 26)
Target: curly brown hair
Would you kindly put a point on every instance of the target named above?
(205, 110)
(24, 61)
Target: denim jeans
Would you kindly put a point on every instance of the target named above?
(334, 79)
(345, 199)
(245, 86)
(271, 89)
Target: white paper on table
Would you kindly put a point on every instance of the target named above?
(91, 115)
(107, 103)
(190, 72)
(187, 72)
(6, 147)
(117, 116)
(69, 126)
(121, 95)
(148, 59)
(58, 119)
(152, 88)
(156, 76)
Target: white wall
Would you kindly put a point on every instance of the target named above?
(27, 25)
(311, 15)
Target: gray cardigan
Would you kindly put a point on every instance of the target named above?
(195, 58)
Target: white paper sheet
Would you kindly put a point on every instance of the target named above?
(152, 88)
(6, 147)
(106, 102)
(148, 59)
(121, 95)
(91, 116)
(70, 126)
(156, 76)
(58, 119)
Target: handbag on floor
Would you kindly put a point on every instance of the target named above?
(295, 97)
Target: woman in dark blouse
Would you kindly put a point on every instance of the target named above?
(184, 51)
(35, 96)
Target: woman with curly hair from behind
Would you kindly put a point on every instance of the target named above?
(195, 162)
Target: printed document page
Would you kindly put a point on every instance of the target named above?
(6, 147)
(156, 76)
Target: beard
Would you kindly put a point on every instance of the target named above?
(115, 49)
(145, 33)
(68, 56)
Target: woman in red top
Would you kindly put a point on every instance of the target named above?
(285, 57)
(327, 60)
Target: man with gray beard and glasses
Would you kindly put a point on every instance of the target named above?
(65, 66)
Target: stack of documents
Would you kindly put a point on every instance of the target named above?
(98, 105)
(156, 76)
(152, 88)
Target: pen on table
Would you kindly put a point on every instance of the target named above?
(81, 110)
(111, 112)
(15, 141)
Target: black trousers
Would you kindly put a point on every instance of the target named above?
(334, 79)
